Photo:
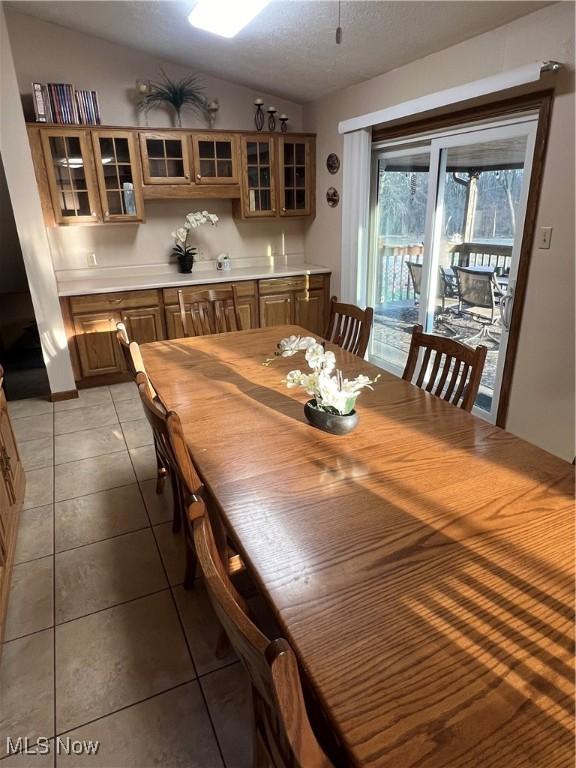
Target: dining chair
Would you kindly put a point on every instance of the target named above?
(192, 488)
(349, 326)
(456, 368)
(282, 733)
(156, 416)
(124, 343)
(211, 311)
(415, 272)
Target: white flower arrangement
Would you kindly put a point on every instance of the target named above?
(331, 391)
(192, 221)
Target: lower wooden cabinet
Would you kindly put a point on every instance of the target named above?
(153, 315)
(302, 300)
(12, 486)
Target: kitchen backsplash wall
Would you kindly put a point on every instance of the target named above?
(115, 245)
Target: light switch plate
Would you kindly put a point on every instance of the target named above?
(544, 237)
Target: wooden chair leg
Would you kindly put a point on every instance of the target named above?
(177, 503)
(161, 471)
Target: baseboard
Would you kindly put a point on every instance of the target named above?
(69, 394)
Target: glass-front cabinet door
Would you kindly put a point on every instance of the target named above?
(70, 176)
(215, 158)
(118, 173)
(258, 183)
(165, 157)
(295, 172)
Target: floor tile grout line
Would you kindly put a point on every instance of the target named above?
(109, 607)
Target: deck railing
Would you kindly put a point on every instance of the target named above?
(393, 276)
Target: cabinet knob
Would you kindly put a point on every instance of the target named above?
(106, 214)
(198, 176)
(284, 210)
(93, 213)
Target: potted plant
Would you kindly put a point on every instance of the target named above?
(178, 94)
(186, 253)
(332, 407)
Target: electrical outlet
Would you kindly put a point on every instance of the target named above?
(544, 237)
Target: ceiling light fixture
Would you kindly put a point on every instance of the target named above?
(225, 17)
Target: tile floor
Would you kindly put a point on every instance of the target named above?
(102, 641)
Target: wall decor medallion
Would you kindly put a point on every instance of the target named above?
(333, 163)
(332, 197)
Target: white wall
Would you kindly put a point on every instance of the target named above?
(61, 55)
(542, 398)
(29, 223)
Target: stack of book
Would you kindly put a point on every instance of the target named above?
(62, 103)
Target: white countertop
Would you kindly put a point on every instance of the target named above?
(135, 279)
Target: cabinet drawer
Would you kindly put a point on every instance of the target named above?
(297, 283)
(100, 302)
(247, 288)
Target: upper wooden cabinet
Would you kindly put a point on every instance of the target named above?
(118, 171)
(165, 158)
(93, 175)
(258, 168)
(70, 175)
(215, 158)
(296, 175)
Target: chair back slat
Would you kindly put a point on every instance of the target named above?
(462, 367)
(349, 327)
(423, 367)
(448, 360)
(211, 311)
(281, 721)
(434, 371)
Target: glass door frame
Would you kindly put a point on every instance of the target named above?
(437, 146)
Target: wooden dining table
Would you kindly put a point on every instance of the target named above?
(421, 566)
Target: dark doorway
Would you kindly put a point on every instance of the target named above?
(20, 351)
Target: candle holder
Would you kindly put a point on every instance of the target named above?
(259, 115)
(283, 120)
(212, 107)
(271, 119)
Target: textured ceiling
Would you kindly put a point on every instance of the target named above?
(289, 49)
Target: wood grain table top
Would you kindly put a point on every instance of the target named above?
(421, 566)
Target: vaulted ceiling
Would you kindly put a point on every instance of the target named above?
(289, 49)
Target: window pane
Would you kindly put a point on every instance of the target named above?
(224, 150)
(265, 200)
(224, 168)
(252, 152)
(208, 168)
(252, 196)
(252, 176)
(173, 148)
(125, 174)
(114, 203)
(57, 148)
(206, 148)
(289, 177)
(289, 199)
(110, 177)
(74, 150)
(107, 149)
(300, 173)
(78, 178)
(82, 204)
(288, 154)
(122, 150)
(264, 153)
(300, 153)
(155, 147)
(175, 168)
(300, 199)
(157, 168)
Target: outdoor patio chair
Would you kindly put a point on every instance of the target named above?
(479, 292)
(415, 270)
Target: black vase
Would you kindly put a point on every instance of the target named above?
(186, 262)
(330, 422)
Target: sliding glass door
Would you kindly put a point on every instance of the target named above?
(447, 225)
